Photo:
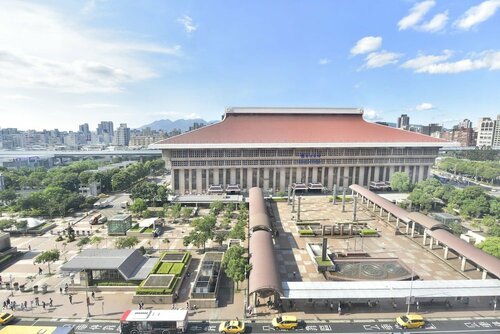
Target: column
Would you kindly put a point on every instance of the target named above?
(361, 176)
(330, 178)
(421, 173)
(298, 174)
(266, 178)
(369, 175)
(412, 229)
(258, 177)
(249, 178)
(283, 184)
(376, 176)
(388, 217)
(425, 237)
(275, 185)
(315, 174)
(190, 184)
(172, 179)
(241, 179)
(339, 177)
(306, 179)
(431, 245)
(182, 187)
(464, 262)
(485, 274)
(207, 173)
(224, 181)
(397, 223)
(446, 249)
(199, 181)
(345, 180)
(216, 176)
(232, 175)
(381, 212)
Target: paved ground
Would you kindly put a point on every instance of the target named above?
(291, 255)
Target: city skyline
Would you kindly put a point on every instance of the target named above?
(436, 61)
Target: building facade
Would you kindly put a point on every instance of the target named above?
(273, 148)
(496, 135)
(403, 122)
(485, 132)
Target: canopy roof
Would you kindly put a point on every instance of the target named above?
(476, 255)
(264, 274)
(258, 218)
(296, 127)
(382, 202)
(390, 289)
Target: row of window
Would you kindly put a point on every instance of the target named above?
(316, 153)
(300, 162)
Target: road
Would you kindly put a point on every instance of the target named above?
(465, 326)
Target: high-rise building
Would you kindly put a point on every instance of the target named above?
(431, 129)
(2, 182)
(122, 135)
(403, 121)
(84, 128)
(496, 134)
(465, 124)
(105, 127)
(485, 131)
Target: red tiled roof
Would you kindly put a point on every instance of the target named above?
(282, 128)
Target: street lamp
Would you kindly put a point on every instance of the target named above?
(87, 300)
(11, 286)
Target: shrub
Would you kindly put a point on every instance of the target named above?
(177, 269)
(164, 268)
(306, 232)
(368, 231)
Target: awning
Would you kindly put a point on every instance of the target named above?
(215, 188)
(390, 289)
(315, 186)
(233, 188)
(299, 186)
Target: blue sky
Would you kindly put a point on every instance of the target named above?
(64, 63)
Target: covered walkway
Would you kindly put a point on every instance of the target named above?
(386, 209)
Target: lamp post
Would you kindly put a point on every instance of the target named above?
(11, 286)
(87, 300)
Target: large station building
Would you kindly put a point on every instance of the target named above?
(274, 148)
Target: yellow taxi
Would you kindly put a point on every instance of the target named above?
(232, 327)
(411, 321)
(285, 322)
(5, 318)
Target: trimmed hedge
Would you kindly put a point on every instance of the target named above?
(177, 269)
(111, 283)
(165, 268)
(306, 232)
(368, 231)
(323, 263)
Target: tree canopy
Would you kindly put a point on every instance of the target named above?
(400, 181)
(491, 246)
(48, 257)
(236, 264)
(202, 232)
(126, 242)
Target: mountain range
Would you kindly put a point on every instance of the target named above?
(168, 125)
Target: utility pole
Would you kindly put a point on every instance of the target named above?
(343, 199)
(334, 194)
(87, 300)
(298, 210)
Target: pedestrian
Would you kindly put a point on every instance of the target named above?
(51, 302)
(4, 305)
(37, 301)
(8, 301)
(294, 274)
(26, 304)
(14, 304)
(102, 306)
(71, 299)
(29, 248)
(65, 290)
(93, 295)
(40, 271)
(140, 306)
(43, 305)
(31, 303)
(60, 290)
(418, 306)
(187, 305)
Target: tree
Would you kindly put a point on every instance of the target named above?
(220, 237)
(8, 196)
(235, 264)
(21, 225)
(175, 210)
(126, 242)
(491, 246)
(216, 207)
(138, 206)
(202, 232)
(400, 181)
(83, 241)
(48, 257)
(186, 213)
(96, 240)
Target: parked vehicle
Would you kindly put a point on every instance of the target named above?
(95, 219)
(411, 321)
(232, 327)
(285, 322)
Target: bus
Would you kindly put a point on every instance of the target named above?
(154, 322)
(17, 329)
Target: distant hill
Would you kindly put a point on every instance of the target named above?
(168, 125)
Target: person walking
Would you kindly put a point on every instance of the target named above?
(71, 299)
(25, 304)
(93, 295)
(51, 302)
(40, 271)
(140, 306)
(60, 290)
(29, 248)
(43, 305)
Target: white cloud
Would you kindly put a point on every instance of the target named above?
(188, 24)
(367, 44)
(425, 106)
(438, 65)
(437, 23)
(15, 97)
(477, 14)
(97, 105)
(52, 52)
(380, 59)
(417, 12)
(371, 115)
(324, 61)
